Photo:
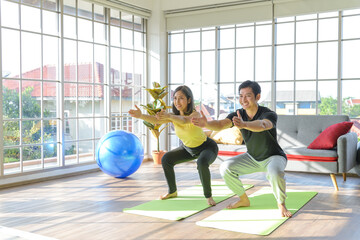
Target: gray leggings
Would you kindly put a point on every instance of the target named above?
(242, 164)
(205, 154)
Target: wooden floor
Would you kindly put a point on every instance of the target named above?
(90, 207)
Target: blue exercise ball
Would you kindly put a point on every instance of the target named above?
(119, 153)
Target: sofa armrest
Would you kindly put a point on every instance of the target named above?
(357, 167)
(346, 149)
(358, 154)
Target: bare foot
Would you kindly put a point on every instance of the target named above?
(168, 195)
(242, 202)
(283, 210)
(211, 201)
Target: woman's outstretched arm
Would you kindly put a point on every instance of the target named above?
(164, 116)
(136, 113)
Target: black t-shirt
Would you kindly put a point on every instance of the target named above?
(260, 145)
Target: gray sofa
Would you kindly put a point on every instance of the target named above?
(295, 133)
(357, 167)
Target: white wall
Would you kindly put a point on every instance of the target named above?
(141, 3)
(178, 4)
(165, 5)
(157, 57)
(234, 12)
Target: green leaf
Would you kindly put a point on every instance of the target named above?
(156, 85)
(149, 125)
(153, 93)
(162, 95)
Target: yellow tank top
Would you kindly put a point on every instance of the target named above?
(191, 135)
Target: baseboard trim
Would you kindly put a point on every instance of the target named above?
(45, 175)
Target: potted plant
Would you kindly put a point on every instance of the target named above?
(157, 93)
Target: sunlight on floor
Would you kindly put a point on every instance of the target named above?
(14, 234)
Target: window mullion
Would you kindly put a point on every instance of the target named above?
(61, 91)
(217, 67)
(1, 108)
(339, 77)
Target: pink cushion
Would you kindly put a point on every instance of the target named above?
(328, 138)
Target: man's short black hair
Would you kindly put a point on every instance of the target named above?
(251, 84)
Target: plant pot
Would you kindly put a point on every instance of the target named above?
(157, 156)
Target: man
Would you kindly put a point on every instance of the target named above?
(258, 127)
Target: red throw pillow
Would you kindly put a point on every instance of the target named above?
(328, 138)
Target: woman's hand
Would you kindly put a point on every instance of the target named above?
(200, 121)
(136, 113)
(162, 115)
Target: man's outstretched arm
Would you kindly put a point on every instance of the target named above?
(254, 126)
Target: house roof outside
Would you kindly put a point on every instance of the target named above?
(84, 71)
(207, 110)
(353, 101)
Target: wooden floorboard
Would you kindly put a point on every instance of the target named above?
(89, 206)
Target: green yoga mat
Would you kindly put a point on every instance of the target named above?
(188, 202)
(262, 217)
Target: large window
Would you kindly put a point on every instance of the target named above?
(307, 55)
(311, 63)
(68, 77)
(214, 61)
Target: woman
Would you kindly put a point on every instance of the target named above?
(195, 143)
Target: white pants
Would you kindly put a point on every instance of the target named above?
(242, 164)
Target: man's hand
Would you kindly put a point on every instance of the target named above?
(238, 121)
(199, 121)
(136, 113)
